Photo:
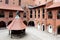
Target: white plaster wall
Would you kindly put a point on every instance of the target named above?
(39, 26)
(50, 30)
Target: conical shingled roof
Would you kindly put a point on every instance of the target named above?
(17, 24)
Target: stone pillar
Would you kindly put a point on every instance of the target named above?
(7, 17)
(54, 12)
(33, 14)
(46, 15)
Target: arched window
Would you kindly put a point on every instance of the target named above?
(43, 15)
(43, 27)
(50, 15)
(38, 13)
(35, 13)
(43, 10)
(58, 15)
(30, 13)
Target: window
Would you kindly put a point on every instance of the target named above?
(11, 14)
(35, 13)
(50, 27)
(30, 13)
(24, 15)
(2, 14)
(38, 13)
(38, 10)
(43, 10)
(0, 0)
(50, 15)
(18, 13)
(19, 2)
(6, 1)
(58, 15)
(43, 13)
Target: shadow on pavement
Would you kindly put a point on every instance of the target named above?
(19, 36)
(2, 28)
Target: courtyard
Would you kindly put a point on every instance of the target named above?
(32, 33)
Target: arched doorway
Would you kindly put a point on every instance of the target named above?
(9, 22)
(25, 22)
(2, 24)
(31, 23)
(43, 27)
(58, 30)
(50, 29)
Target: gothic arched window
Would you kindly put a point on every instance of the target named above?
(30, 13)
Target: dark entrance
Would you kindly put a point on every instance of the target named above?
(9, 22)
(58, 30)
(31, 23)
(25, 22)
(43, 27)
(2, 24)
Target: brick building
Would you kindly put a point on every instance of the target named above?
(45, 13)
(8, 10)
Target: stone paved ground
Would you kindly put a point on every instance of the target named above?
(31, 34)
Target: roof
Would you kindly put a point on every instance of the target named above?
(43, 4)
(38, 5)
(54, 5)
(30, 6)
(16, 24)
(11, 7)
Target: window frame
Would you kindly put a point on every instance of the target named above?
(2, 14)
(10, 14)
(58, 14)
(38, 13)
(35, 13)
(30, 13)
(6, 1)
(43, 11)
(50, 15)
(19, 3)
